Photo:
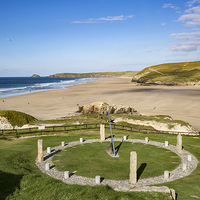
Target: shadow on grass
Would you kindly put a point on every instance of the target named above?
(8, 184)
(118, 147)
(140, 170)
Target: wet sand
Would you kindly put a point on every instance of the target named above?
(180, 102)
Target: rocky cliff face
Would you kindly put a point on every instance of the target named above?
(102, 108)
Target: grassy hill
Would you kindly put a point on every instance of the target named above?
(185, 73)
(94, 75)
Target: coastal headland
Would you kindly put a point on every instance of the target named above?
(180, 102)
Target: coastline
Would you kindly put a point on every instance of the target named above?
(180, 102)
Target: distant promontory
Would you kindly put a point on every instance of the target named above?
(35, 76)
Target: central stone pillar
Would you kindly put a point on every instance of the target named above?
(40, 150)
(102, 132)
(179, 143)
(133, 167)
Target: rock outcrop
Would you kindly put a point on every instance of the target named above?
(4, 124)
(35, 76)
(102, 108)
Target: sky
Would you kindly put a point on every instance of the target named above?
(79, 36)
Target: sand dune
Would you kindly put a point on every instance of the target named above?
(180, 102)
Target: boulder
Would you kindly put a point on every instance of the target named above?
(4, 124)
(102, 108)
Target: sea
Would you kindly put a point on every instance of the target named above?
(13, 86)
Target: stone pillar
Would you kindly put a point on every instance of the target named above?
(40, 150)
(66, 174)
(48, 149)
(166, 143)
(47, 166)
(98, 179)
(146, 139)
(62, 143)
(81, 140)
(133, 167)
(102, 132)
(189, 157)
(173, 194)
(179, 143)
(125, 138)
(184, 167)
(166, 175)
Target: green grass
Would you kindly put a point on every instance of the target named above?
(17, 118)
(170, 72)
(90, 160)
(21, 179)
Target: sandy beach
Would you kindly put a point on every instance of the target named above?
(180, 102)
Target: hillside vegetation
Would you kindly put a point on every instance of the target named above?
(94, 75)
(185, 73)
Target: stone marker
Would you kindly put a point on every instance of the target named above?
(133, 167)
(102, 132)
(166, 175)
(40, 150)
(184, 167)
(146, 139)
(125, 138)
(81, 140)
(48, 149)
(47, 166)
(41, 127)
(173, 194)
(62, 143)
(166, 143)
(179, 143)
(66, 174)
(189, 157)
(98, 179)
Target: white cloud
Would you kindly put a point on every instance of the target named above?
(169, 5)
(109, 18)
(163, 24)
(190, 3)
(148, 51)
(192, 18)
(186, 36)
(185, 46)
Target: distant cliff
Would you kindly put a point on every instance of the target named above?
(185, 73)
(93, 75)
(35, 76)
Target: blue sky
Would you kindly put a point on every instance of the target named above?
(56, 36)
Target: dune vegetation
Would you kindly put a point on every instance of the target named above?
(184, 73)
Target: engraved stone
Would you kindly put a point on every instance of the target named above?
(62, 143)
(189, 157)
(102, 132)
(40, 150)
(81, 140)
(133, 167)
(125, 138)
(97, 179)
(48, 149)
(166, 175)
(166, 143)
(184, 167)
(66, 174)
(146, 139)
(179, 143)
(47, 166)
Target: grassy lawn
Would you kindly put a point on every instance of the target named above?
(92, 159)
(21, 179)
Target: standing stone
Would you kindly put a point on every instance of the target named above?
(133, 167)
(47, 166)
(98, 179)
(184, 167)
(102, 132)
(66, 174)
(189, 157)
(146, 139)
(48, 149)
(125, 138)
(166, 175)
(40, 150)
(81, 140)
(179, 143)
(173, 194)
(62, 143)
(166, 143)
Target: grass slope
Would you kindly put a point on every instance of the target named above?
(170, 72)
(17, 118)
